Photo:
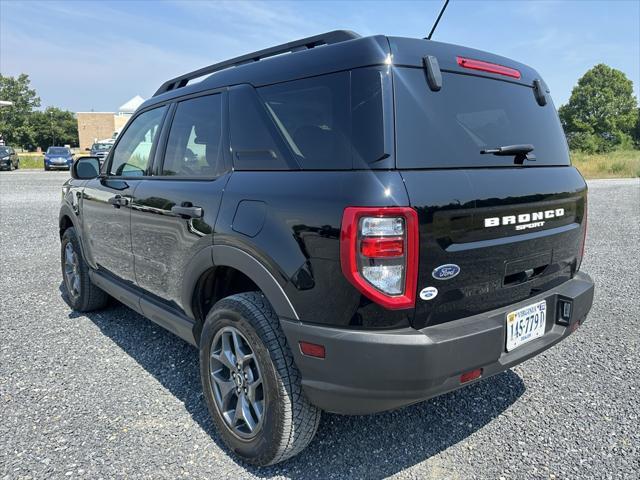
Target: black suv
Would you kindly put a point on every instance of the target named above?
(8, 158)
(339, 223)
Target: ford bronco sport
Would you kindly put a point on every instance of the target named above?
(339, 223)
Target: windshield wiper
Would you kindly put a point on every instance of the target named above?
(520, 152)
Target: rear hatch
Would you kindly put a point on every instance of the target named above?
(492, 232)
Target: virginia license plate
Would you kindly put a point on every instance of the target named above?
(526, 324)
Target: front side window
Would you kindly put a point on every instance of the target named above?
(132, 153)
(194, 147)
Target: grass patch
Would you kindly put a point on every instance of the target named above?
(31, 160)
(616, 164)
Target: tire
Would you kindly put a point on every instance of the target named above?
(288, 421)
(11, 167)
(18, 165)
(82, 294)
(46, 168)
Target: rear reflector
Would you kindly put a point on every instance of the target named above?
(312, 349)
(488, 67)
(472, 375)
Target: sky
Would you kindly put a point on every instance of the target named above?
(85, 56)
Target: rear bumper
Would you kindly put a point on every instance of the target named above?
(372, 371)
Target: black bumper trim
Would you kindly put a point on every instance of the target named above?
(372, 371)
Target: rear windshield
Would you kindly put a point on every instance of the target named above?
(102, 146)
(449, 128)
(58, 151)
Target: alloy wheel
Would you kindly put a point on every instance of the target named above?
(71, 270)
(236, 381)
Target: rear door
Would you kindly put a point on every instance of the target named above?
(107, 199)
(174, 211)
(492, 232)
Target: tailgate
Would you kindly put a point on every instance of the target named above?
(513, 233)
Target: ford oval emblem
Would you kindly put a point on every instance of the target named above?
(445, 272)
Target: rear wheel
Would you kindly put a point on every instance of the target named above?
(82, 294)
(251, 385)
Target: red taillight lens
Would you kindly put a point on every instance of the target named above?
(379, 253)
(373, 247)
(584, 232)
(488, 67)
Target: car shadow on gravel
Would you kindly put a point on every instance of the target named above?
(374, 446)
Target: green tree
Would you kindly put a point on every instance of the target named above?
(602, 111)
(15, 125)
(54, 127)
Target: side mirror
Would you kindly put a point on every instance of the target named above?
(85, 168)
(87, 149)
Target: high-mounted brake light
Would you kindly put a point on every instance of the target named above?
(488, 67)
(379, 253)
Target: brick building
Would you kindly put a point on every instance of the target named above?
(94, 126)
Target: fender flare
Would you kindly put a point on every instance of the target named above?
(228, 256)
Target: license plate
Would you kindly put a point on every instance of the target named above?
(526, 324)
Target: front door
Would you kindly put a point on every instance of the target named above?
(174, 211)
(107, 199)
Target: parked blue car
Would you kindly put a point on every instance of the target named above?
(58, 157)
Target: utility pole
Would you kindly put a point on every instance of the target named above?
(53, 138)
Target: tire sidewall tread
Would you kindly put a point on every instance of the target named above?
(290, 421)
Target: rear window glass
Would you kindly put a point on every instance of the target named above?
(450, 127)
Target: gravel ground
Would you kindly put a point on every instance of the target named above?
(111, 395)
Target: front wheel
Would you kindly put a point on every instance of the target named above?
(251, 384)
(82, 294)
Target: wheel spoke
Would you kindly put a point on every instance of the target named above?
(68, 254)
(223, 358)
(226, 386)
(251, 390)
(243, 413)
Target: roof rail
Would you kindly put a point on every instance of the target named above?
(328, 38)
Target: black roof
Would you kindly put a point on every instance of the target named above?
(329, 52)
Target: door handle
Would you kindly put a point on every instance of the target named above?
(119, 201)
(187, 212)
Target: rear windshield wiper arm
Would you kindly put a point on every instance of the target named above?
(520, 152)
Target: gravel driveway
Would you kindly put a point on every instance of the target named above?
(111, 395)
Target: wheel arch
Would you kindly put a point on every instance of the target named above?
(248, 273)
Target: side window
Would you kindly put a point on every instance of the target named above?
(131, 154)
(255, 141)
(314, 117)
(194, 147)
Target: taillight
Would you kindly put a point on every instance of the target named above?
(584, 232)
(379, 253)
(488, 67)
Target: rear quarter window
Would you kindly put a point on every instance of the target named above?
(449, 128)
(337, 121)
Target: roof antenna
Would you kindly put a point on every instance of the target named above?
(437, 20)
